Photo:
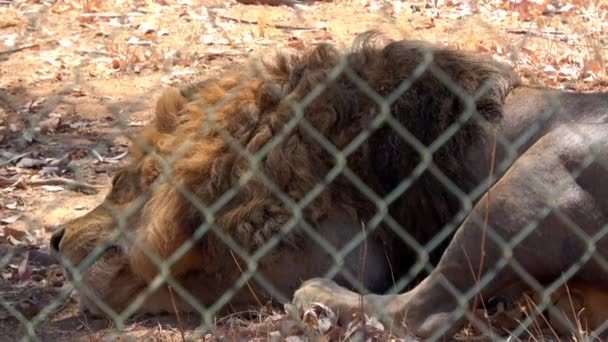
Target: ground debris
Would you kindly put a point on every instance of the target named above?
(68, 74)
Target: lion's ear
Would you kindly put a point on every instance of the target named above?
(170, 102)
(149, 172)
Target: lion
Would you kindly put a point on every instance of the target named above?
(395, 166)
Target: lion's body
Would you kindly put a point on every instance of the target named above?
(201, 136)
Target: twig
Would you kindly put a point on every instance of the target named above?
(26, 47)
(485, 219)
(97, 155)
(109, 160)
(14, 158)
(543, 34)
(279, 26)
(179, 320)
(362, 271)
(532, 305)
(110, 15)
(473, 308)
(247, 282)
(289, 3)
(69, 183)
(4, 181)
(97, 52)
(390, 266)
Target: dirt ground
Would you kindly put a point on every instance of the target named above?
(75, 76)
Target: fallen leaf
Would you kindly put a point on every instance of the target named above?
(550, 70)
(52, 188)
(49, 125)
(66, 43)
(14, 232)
(35, 105)
(50, 171)
(79, 153)
(146, 28)
(595, 66)
(118, 63)
(319, 316)
(29, 163)
(78, 92)
(11, 219)
(11, 19)
(116, 158)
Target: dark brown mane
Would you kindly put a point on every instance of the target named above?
(433, 102)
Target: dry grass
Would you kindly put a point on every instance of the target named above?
(91, 67)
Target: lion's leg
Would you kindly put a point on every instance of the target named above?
(537, 208)
(541, 178)
(312, 259)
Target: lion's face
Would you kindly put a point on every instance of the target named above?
(174, 225)
(109, 277)
(78, 237)
(137, 219)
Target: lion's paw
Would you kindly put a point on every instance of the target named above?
(337, 298)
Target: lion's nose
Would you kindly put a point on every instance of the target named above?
(56, 238)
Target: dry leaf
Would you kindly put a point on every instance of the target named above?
(297, 44)
(11, 19)
(52, 188)
(319, 316)
(30, 163)
(49, 125)
(63, 6)
(79, 92)
(118, 63)
(146, 28)
(17, 234)
(594, 66)
(11, 219)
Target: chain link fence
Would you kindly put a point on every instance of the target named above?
(287, 219)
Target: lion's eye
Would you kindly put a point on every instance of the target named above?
(112, 250)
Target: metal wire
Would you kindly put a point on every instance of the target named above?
(210, 212)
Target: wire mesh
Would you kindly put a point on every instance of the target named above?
(132, 221)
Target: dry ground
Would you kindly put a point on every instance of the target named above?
(76, 75)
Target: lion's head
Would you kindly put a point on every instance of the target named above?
(184, 163)
(95, 241)
(110, 246)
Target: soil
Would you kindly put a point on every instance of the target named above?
(75, 81)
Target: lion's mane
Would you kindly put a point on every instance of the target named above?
(204, 139)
